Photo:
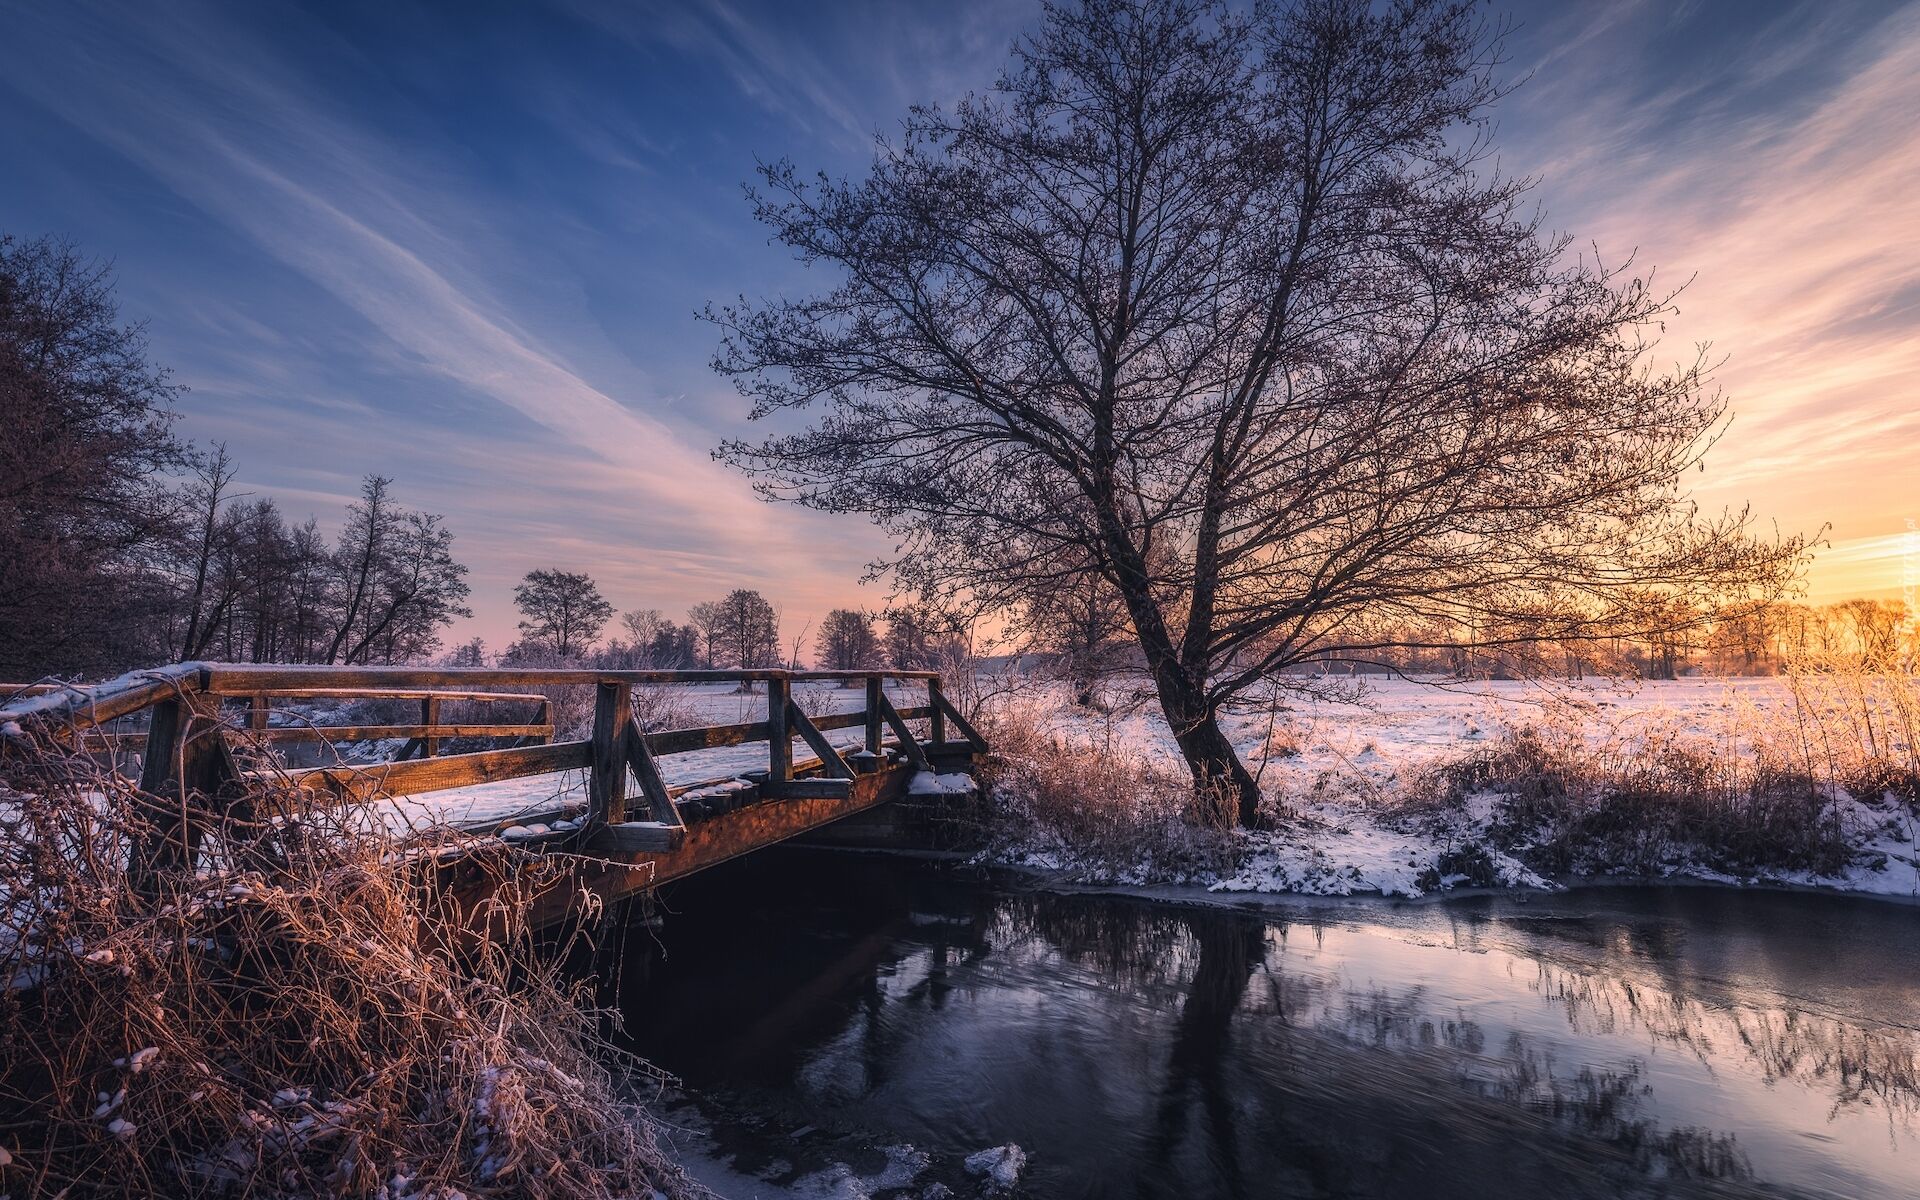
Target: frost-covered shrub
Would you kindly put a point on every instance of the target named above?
(294, 1018)
(1565, 801)
(1099, 807)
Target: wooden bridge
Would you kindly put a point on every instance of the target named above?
(209, 729)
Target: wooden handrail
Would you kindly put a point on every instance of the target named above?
(245, 679)
(101, 702)
(140, 689)
(308, 693)
(343, 733)
(188, 696)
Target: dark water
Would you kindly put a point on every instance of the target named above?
(1666, 1042)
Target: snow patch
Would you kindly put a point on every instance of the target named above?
(999, 1166)
(926, 783)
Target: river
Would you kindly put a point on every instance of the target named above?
(859, 1025)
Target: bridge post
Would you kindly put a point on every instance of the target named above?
(779, 735)
(876, 723)
(607, 775)
(938, 722)
(430, 715)
(187, 763)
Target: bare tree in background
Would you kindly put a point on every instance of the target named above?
(1079, 624)
(1236, 309)
(208, 494)
(847, 641)
(85, 438)
(748, 634)
(562, 611)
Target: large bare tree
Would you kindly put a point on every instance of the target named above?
(1235, 309)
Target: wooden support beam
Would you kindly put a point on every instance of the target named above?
(876, 695)
(659, 802)
(635, 837)
(942, 705)
(909, 744)
(351, 784)
(679, 741)
(779, 736)
(829, 757)
(187, 765)
(812, 788)
(381, 733)
(430, 716)
(347, 733)
(935, 699)
(387, 693)
(607, 780)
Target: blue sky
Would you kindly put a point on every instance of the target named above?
(462, 245)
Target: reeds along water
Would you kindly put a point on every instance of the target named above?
(1781, 777)
(290, 1017)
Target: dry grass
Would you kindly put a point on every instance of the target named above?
(1111, 810)
(1774, 788)
(288, 1020)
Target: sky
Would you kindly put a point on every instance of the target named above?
(463, 245)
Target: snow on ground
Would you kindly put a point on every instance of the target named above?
(1340, 761)
(999, 1166)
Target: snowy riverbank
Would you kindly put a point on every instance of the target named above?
(1357, 780)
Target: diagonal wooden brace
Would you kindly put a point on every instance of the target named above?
(909, 744)
(647, 771)
(830, 758)
(965, 727)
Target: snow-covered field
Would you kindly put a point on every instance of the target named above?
(1342, 765)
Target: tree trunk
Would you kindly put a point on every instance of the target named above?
(1217, 769)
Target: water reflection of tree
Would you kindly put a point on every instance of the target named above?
(1855, 1066)
(1214, 958)
(1228, 955)
(1143, 948)
(1605, 1105)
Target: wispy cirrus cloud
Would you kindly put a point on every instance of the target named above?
(783, 75)
(1780, 182)
(208, 117)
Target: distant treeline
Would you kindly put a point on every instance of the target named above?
(1859, 634)
(121, 545)
(563, 615)
(1862, 634)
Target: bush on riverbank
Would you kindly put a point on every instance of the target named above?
(1097, 806)
(1564, 807)
(291, 1020)
(1780, 790)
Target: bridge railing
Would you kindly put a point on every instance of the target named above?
(189, 766)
